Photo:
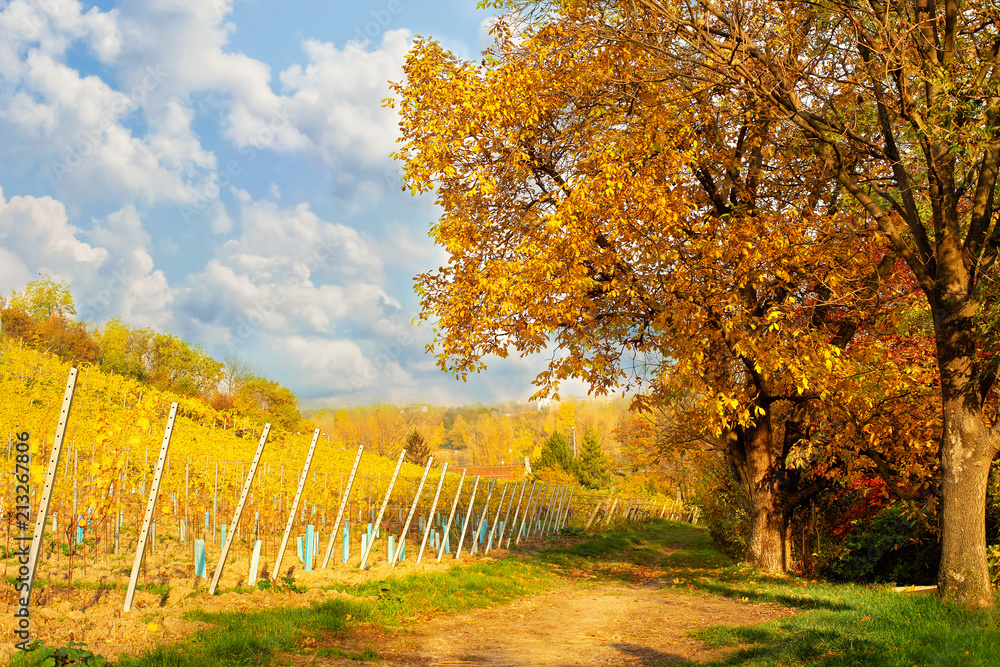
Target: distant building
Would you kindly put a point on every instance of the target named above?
(545, 403)
(514, 472)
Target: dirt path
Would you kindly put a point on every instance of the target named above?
(606, 624)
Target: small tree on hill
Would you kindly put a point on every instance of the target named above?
(556, 454)
(44, 298)
(592, 470)
(417, 449)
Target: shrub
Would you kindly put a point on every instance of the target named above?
(898, 546)
(726, 509)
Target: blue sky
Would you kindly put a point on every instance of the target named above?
(220, 169)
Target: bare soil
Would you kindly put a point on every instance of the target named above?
(606, 624)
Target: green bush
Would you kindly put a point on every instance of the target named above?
(726, 510)
(897, 546)
(40, 654)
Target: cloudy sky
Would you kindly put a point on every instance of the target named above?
(220, 169)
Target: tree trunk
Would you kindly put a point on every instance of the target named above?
(754, 457)
(967, 450)
(963, 575)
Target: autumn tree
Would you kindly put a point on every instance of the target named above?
(898, 101)
(44, 298)
(663, 246)
(124, 350)
(269, 401)
(236, 372)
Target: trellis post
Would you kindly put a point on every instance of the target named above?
(345, 494)
(50, 480)
(524, 517)
(483, 517)
(565, 513)
(295, 506)
(430, 514)
(409, 517)
(231, 533)
(468, 515)
(150, 508)
(388, 492)
(507, 519)
(496, 519)
(451, 516)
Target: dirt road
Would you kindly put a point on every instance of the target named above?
(599, 625)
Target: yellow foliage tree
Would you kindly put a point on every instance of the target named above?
(663, 247)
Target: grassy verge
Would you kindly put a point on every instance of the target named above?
(839, 624)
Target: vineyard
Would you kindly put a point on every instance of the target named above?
(111, 445)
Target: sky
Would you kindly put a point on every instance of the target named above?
(220, 170)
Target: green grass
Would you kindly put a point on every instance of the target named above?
(252, 639)
(465, 586)
(838, 624)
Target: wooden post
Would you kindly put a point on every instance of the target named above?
(510, 507)
(451, 516)
(231, 533)
(150, 508)
(381, 512)
(593, 515)
(468, 516)
(610, 512)
(50, 480)
(295, 506)
(557, 514)
(430, 514)
(479, 521)
(550, 510)
(565, 514)
(409, 517)
(524, 517)
(540, 501)
(344, 495)
(496, 520)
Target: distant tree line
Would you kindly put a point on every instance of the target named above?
(41, 315)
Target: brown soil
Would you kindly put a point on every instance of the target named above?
(600, 625)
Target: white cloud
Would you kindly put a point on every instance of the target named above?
(36, 237)
(288, 272)
(111, 272)
(127, 286)
(336, 99)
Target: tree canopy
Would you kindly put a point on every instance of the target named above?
(662, 246)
